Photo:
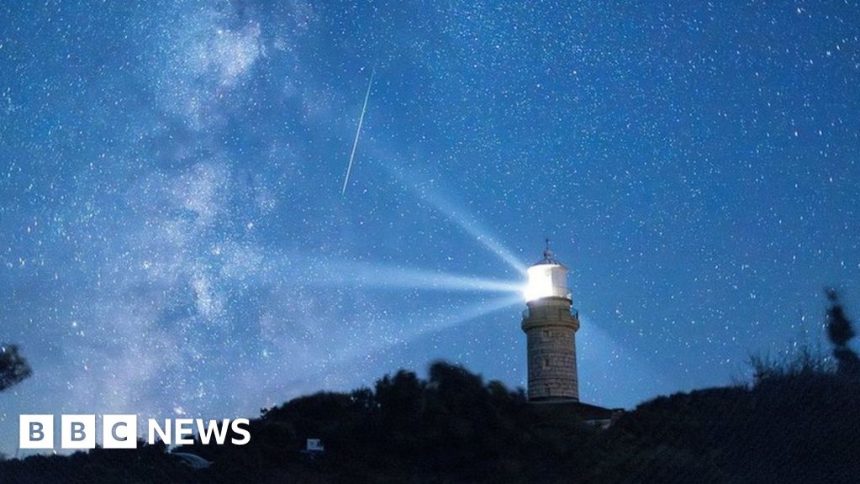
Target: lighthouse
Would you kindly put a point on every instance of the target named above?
(550, 326)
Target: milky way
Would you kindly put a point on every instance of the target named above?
(173, 240)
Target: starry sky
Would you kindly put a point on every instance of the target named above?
(174, 240)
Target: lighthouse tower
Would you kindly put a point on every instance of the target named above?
(550, 326)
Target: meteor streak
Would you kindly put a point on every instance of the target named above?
(357, 132)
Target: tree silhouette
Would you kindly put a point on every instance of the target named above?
(840, 330)
(400, 398)
(13, 367)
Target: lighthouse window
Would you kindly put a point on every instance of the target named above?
(546, 362)
(546, 333)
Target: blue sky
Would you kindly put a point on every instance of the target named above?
(173, 237)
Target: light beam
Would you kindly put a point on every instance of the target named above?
(463, 219)
(366, 275)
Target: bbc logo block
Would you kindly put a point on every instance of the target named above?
(120, 431)
(36, 431)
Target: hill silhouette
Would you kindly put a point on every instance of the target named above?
(454, 427)
(798, 421)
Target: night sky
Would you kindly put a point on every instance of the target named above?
(174, 241)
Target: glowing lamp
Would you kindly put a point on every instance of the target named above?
(546, 279)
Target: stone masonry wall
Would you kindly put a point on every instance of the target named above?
(551, 342)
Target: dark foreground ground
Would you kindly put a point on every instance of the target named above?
(453, 427)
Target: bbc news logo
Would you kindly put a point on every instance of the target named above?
(120, 431)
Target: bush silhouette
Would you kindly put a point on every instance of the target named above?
(13, 367)
(840, 330)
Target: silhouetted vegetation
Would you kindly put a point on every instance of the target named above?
(451, 426)
(800, 361)
(146, 464)
(840, 330)
(797, 422)
(13, 367)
